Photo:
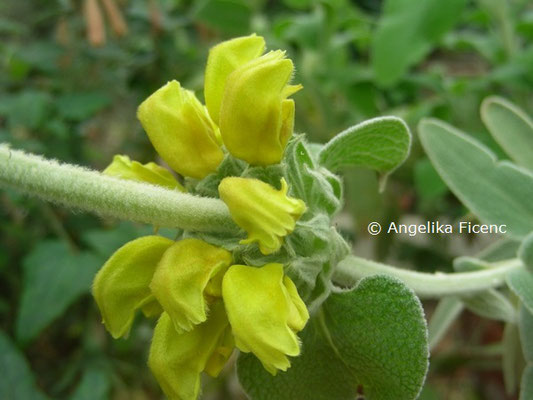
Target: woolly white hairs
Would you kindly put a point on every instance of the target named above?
(87, 190)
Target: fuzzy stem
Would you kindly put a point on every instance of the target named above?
(80, 188)
(425, 285)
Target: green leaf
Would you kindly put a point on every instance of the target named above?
(511, 127)
(371, 339)
(381, 144)
(28, 108)
(497, 192)
(526, 391)
(54, 278)
(17, 381)
(521, 282)
(94, 385)
(228, 16)
(82, 105)
(407, 31)
(491, 304)
(106, 241)
(525, 323)
(525, 252)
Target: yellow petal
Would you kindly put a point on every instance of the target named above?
(176, 360)
(260, 311)
(151, 308)
(221, 355)
(122, 167)
(187, 272)
(223, 59)
(298, 314)
(122, 285)
(181, 130)
(254, 124)
(266, 214)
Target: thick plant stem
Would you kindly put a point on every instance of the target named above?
(425, 285)
(87, 190)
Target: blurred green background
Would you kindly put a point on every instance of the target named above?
(72, 75)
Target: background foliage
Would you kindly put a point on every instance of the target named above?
(68, 93)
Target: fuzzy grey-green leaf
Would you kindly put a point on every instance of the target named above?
(525, 324)
(525, 252)
(511, 127)
(380, 332)
(446, 312)
(497, 192)
(526, 391)
(521, 282)
(316, 374)
(371, 339)
(381, 144)
(512, 360)
(491, 304)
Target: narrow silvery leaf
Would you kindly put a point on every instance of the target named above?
(512, 360)
(525, 252)
(499, 250)
(526, 391)
(446, 312)
(526, 332)
(521, 282)
(491, 304)
(498, 192)
(511, 127)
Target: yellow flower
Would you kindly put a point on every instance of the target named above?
(122, 285)
(223, 59)
(256, 118)
(266, 214)
(122, 167)
(177, 359)
(265, 313)
(181, 131)
(187, 277)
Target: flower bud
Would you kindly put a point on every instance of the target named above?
(177, 359)
(265, 313)
(188, 276)
(266, 214)
(181, 131)
(122, 285)
(256, 118)
(223, 59)
(122, 167)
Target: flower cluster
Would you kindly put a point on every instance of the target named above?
(206, 306)
(208, 302)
